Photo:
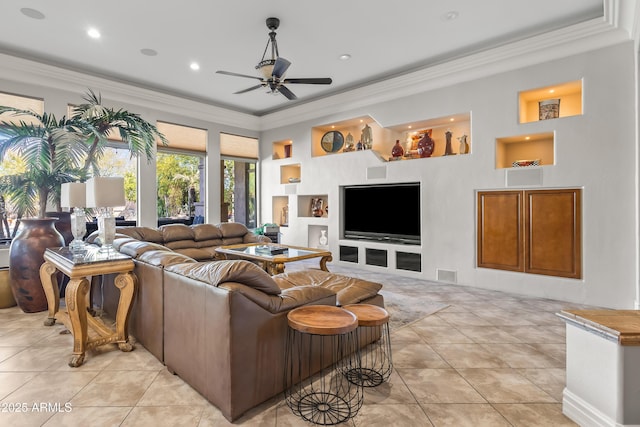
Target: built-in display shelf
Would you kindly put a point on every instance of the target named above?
(569, 96)
(282, 149)
(525, 150)
(290, 173)
(308, 203)
(316, 236)
(408, 135)
(280, 210)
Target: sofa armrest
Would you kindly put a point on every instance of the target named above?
(348, 290)
(288, 298)
(217, 272)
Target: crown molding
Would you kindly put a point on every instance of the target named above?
(619, 23)
(624, 14)
(578, 38)
(31, 72)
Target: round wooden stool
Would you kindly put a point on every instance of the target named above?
(373, 328)
(322, 345)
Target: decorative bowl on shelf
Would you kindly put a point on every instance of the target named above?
(525, 163)
(293, 179)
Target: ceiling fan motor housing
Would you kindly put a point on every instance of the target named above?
(273, 23)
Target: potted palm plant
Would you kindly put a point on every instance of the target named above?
(49, 152)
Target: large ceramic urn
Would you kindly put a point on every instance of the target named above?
(26, 255)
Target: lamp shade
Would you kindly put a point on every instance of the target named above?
(105, 192)
(73, 195)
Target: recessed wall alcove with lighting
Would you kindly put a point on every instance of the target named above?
(525, 150)
(569, 95)
(384, 138)
(282, 149)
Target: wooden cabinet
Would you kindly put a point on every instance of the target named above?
(532, 231)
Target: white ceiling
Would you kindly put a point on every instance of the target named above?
(384, 39)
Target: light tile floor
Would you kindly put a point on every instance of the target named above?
(488, 359)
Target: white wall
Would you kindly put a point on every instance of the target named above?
(595, 151)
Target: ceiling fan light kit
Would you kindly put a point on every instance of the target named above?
(273, 69)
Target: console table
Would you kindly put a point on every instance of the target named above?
(79, 265)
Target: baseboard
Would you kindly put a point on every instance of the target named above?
(583, 413)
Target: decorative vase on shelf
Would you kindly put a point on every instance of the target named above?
(366, 137)
(448, 151)
(323, 240)
(397, 151)
(464, 145)
(426, 146)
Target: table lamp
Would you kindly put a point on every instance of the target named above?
(105, 192)
(73, 195)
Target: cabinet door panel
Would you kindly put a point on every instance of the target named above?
(553, 232)
(500, 230)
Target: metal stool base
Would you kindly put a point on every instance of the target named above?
(324, 408)
(365, 377)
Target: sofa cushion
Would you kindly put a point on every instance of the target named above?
(232, 229)
(203, 232)
(134, 248)
(176, 232)
(199, 254)
(349, 290)
(219, 272)
(287, 300)
(164, 258)
(142, 233)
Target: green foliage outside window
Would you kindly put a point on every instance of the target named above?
(176, 174)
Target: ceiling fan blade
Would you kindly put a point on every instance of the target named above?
(287, 93)
(310, 81)
(249, 89)
(280, 67)
(229, 73)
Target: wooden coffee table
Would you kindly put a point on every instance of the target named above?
(273, 256)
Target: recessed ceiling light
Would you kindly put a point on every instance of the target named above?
(451, 15)
(527, 138)
(452, 119)
(32, 13)
(409, 126)
(194, 66)
(345, 56)
(93, 33)
(148, 52)
(552, 90)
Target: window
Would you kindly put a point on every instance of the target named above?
(12, 163)
(239, 199)
(117, 161)
(180, 172)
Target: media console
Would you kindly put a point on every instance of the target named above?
(379, 257)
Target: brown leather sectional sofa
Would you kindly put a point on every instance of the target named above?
(220, 325)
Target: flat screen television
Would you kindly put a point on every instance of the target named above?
(382, 212)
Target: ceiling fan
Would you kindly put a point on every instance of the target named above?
(273, 69)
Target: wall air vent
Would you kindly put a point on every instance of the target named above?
(448, 276)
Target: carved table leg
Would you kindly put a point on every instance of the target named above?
(274, 268)
(75, 297)
(323, 262)
(127, 283)
(48, 273)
